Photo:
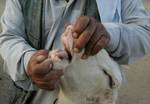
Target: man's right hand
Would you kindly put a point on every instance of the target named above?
(41, 72)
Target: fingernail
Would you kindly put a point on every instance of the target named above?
(75, 35)
(40, 58)
(76, 50)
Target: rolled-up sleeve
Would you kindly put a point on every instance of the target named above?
(14, 48)
(130, 39)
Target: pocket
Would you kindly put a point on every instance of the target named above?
(108, 10)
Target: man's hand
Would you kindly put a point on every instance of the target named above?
(89, 34)
(41, 73)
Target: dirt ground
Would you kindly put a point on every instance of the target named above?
(137, 87)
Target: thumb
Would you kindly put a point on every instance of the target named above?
(41, 55)
(41, 58)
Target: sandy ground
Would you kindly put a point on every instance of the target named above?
(137, 87)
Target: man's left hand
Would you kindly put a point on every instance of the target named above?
(90, 35)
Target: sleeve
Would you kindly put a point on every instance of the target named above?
(130, 39)
(14, 48)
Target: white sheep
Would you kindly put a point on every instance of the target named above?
(95, 80)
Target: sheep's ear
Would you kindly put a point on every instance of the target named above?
(115, 81)
(67, 39)
(110, 68)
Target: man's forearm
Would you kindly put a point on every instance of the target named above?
(13, 44)
(130, 39)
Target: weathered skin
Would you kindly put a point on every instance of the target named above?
(95, 80)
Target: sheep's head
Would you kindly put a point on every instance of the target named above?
(62, 57)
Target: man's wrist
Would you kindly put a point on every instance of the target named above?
(27, 57)
(113, 31)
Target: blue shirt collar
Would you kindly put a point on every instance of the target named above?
(107, 9)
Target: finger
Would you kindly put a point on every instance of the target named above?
(51, 85)
(54, 74)
(92, 42)
(42, 52)
(58, 50)
(42, 68)
(62, 55)
(40, 58)
(58, 55)
(85, 36)
(80, 25)
(67, 24)
(53, 52)
(99, 45)
(41, 55)
(51, 76)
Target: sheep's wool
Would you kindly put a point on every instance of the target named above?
(95, 80)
